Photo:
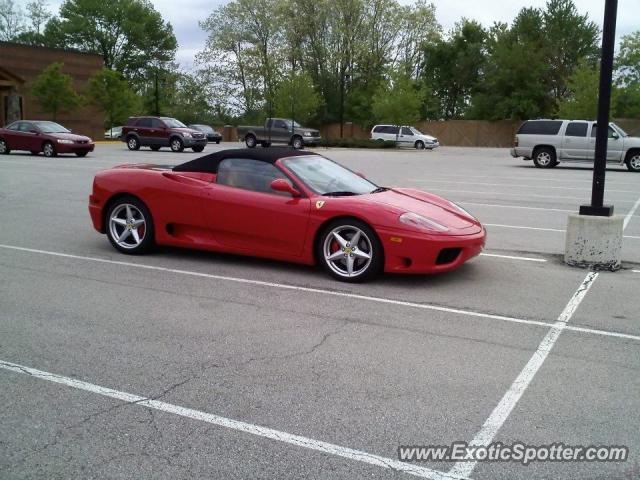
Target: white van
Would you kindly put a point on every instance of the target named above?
(406, 136)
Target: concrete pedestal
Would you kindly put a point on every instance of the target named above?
(594, 242)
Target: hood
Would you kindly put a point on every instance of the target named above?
(143, 166)
(427, 137)
(69, 136)
(192, 131)
(430, 206)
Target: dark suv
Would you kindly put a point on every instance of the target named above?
(158, 132)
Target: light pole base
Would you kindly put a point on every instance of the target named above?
(604, 211)
(594, 241)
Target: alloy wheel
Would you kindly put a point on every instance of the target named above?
(544, 159)
(48, 150)
(634, 162)
(347, 251)
(127, 226)
(3, 147)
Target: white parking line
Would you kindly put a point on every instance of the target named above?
(510, 399)
(423, 306)
(524, 195)
(588, 180)
(523, 227)
(515, 185)
(512, 257)
(516, 206)
(270, 433)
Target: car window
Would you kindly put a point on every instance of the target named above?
(594, 129)
(26, 127)
(155, 123)
(247, 174)
(576, 129)
(144, 123)
(14, 126)
(407, 131)
(540, 127)
(281, 124)
(391, 130)
(378, 129)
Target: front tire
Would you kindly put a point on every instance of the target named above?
(250, 141)
(4, 148)
(545, 157)
(217, 142)
(419, 145)
(176, 145)
(350, 251)
(633, 161)
(197, 148)
(130, 226)
(49, 149)
(81, 154)
(133, 143)
(297, 143)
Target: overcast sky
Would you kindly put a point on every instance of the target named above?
(184, 16)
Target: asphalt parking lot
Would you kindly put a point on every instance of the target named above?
(184, 364)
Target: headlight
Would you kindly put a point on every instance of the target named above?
(186, 135)
(423, 223)
(65, 141)
(307, 134)
(461, 210)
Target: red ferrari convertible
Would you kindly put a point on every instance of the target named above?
(283, 204)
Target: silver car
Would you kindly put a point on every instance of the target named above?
(549, 142)
(405, 136)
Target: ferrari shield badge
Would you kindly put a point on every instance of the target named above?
(319, 204)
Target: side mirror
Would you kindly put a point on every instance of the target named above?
(615, 135)
(281, 185)
(34, 131)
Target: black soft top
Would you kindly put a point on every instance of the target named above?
(209, 163)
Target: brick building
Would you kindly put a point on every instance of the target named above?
(21, 64)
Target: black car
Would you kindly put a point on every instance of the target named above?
(211, 134)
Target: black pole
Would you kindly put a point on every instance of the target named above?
(156, 94)
(604, 101)
(341, 103)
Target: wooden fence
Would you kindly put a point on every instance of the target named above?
(459, 133)
(464, 133)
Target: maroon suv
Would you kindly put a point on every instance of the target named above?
(158, 132)
(37, 136)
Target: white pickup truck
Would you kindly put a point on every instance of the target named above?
(549, 142)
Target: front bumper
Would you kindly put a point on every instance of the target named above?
(194, 142)
(75, 147)
(311, 140)
(423, 253)
(432, 145)
(214, 138)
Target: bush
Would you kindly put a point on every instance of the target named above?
(356, 143)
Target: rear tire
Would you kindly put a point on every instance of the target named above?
(176, 144)
(81, 154)
(197, 148)
(544, 157)
(250, 141)
(133, 143)
(362, 269)
(139, 224)
(217, 142)
(633, 161)
(4, 148)
(49, 150)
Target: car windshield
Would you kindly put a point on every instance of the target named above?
(416, 131)
(620, 130)
(173, 123)
(50, 127)
(203, 128)
(295, 124)
(328, 178)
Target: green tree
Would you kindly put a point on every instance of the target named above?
(628, 60)
(453, 66)
(582, 99)
(515, 82)
(127, 33)
(36, 19)
(570, 39)
(296, 98)
(399, 101)
(54, 90)
(111, 92)
(11, 20)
